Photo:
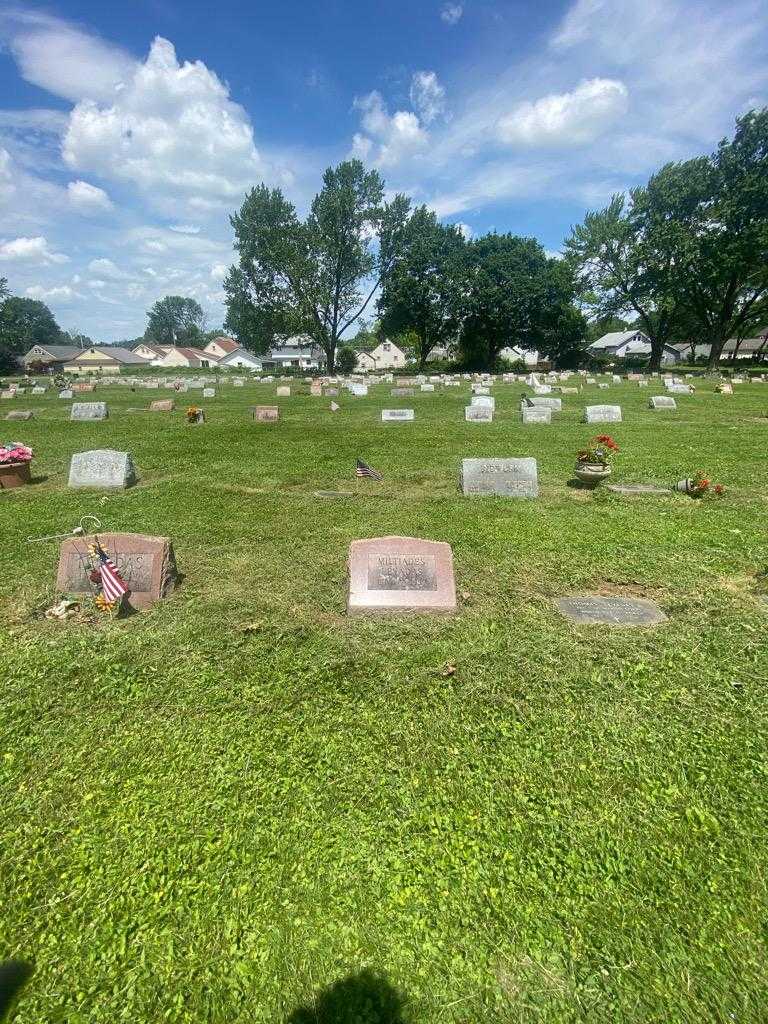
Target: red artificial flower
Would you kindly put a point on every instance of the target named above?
(608, 441)
(719, 488)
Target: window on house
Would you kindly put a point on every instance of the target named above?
(387, 346)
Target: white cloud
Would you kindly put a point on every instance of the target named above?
(390, 137)
(566, 119)
(65, 61)
(451, 13)
(62, 293)
(106, 268)
(30, 250)
(465, 229)
(172, 131)
(34, 119)
(87, 198)
(219, 271)
(427, 96)
(185, 229)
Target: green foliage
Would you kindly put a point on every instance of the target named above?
(308, 275)
(23, 323)
(346, 359)
(175, 320)
(221, 809)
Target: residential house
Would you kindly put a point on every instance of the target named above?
(629, 344)
(240, 358)
(514, 354)
(220, 347)
(53, 357)
(110, 359)
(297, 353)
(151, 351)
(181, 357)
(747, 349)
(386, 356)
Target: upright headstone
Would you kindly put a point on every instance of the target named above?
(209, 392)
(427, 387)
(88, 411)
(163, 405)
(146, 564)
(554, 404)
(37, 390)
(535, 414)
(478, 413)
(402, 392)
(486, 400)
(397, 415)
(266, 413)
(400, 574)
(662, 402)
(102, 468)
(66, 393)
(602, 414)
(284, 391)
(508, 478)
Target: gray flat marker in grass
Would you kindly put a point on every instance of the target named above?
(602, 414)
(397, 415)
(427, 387)
(507, 478)
(400, 574)
(402, 392)
(593, 609)
(88, 411)
(478, 413)
(535, 414)
(630, 489)
(102, 468)
(662, 402)
(20, 414)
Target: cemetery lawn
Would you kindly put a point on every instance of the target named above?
(216, 809)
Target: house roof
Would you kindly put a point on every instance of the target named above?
(195, 355)
(239, 351)
(114, 352)
(57, 351)
(614, 339)
(228, 344)
(159, 350)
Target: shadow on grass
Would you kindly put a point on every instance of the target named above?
(14, 974)
(364, 998)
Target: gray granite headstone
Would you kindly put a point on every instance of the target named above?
(209, 392)
(602, 414)
(396, 415)
(402, 392)
(535, 414)
(88, 411)
(101, 468)
(662, 402)
(37, 390)
(483, 400)
(555, 404)
(478, 413)
(66, 393)
(593, 609)
(508, 478)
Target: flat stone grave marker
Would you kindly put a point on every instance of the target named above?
(402, 392)
(163, 405)
(590, 380)
(602, 414)
(535, 414)
(555, 404)
(103, 467)
(266, 413)
(19, 414)
(400, 574)
(508, 478)
(589, 609)
(397, 415)
(238, 383)
(603, 385)
(66, 393)
(478, 389)
(89, 411)
(283, 391)
(427, 387)
(662, 402)
(37, 390)
(334, 494)
(542, 389)
(209, 392)
(147, 565)
(630, 489)
(478, 413)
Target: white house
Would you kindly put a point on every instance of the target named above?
(151, 352)
(513, 354)
(110, 359)
(621, 344)
(297, 353)
(181, 356)
(220, 347)
(240, 358)
(386, 356)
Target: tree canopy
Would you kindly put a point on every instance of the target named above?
(23, 323)
(175, 320)
(316, 276)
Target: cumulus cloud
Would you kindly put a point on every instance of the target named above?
(219, 271)
(104, 267)
(30, 250)
(427, 96)
(186, 229)
(88, 199)
(171, 130)
(390, 137)
(566, 119)
(60, 293)
(451, 13)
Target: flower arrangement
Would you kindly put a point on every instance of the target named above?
(598, 452)
(193, 414)
(15, 453)
(700, 486)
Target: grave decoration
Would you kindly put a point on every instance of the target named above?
(15, 459)
(700, 486)
(400, 574)
(593, 463)
(145, 565)
(195, 415)
(363, 470)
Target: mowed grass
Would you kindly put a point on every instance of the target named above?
(217, 809)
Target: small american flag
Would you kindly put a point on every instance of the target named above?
(112, 583)
(363, 469)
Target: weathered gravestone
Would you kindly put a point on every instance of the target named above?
(535, 414)
(316, 390)
(147, 565)
(427, 387)
(400, 574)
(19, 414)
(266, 413)
(662, 402)
(483, 400)
(332, 392)
(397, 415)
(101, 468)
(630, 489)
(209, 392)
(508, 478)
(402, 392)
(602, 414)
(37, 390)
(163, 405)
(555, 404)
(85, 411)
(66, 393)
(589, 609)
(283, 391)
(478, 413)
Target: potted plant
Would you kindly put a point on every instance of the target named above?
(699, 486)
(14, 464)
(593, 463)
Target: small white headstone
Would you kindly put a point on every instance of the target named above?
(101, 468)
(396, 415)
(88, 411)
(602, 414)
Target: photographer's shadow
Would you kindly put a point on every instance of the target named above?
(363, 998)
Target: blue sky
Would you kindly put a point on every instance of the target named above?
(129, 131)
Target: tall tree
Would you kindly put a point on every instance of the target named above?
(709, 217)
(175, 320)
(621, 274)
(255, 312)
(309, 274)
(422, 293)
(514, 295)
(23, 323)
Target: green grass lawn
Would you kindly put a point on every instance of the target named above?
(220, 809)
